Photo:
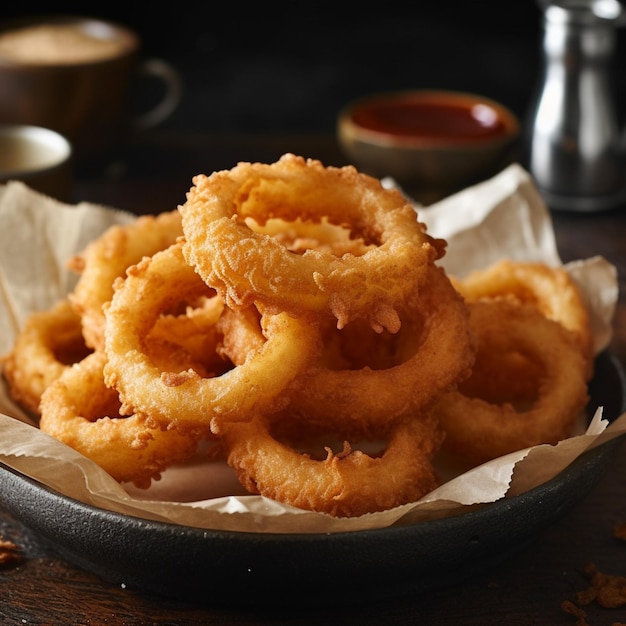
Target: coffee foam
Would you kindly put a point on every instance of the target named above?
(62, 43)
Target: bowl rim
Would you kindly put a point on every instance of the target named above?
(349, 130)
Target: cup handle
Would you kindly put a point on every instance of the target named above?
(170, 78)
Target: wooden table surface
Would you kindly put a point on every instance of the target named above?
(528, 588)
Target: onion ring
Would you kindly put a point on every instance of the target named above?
(107, 257)
(479, 428)
(159, 283)
(364, 395)
(49, 342)
(247, 267)
(79, 410)
(551, 289)
(344, 484)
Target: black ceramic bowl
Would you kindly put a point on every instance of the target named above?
(212, 567)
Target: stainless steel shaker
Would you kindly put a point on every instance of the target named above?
(574, 144)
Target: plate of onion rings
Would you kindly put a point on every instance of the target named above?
(212, 566)
(325, 354)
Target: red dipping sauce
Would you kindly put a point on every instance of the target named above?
(433, 119)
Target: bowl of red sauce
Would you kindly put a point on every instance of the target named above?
(432, 143)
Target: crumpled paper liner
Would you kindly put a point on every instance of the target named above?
(504, 216)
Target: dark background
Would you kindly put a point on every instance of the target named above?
(278, 66)
(289, 67)
(292, 68)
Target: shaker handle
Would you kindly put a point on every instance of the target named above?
(169, 77)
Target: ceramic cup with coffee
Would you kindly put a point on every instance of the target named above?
(76, 75)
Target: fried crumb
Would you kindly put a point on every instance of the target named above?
(571, 609)
(10, 553)
(607, 590)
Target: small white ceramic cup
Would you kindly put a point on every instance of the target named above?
(39, 157)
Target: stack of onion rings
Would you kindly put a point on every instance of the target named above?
(296, 316)
(237, 227)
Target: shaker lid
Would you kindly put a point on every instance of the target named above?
(584, 12)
